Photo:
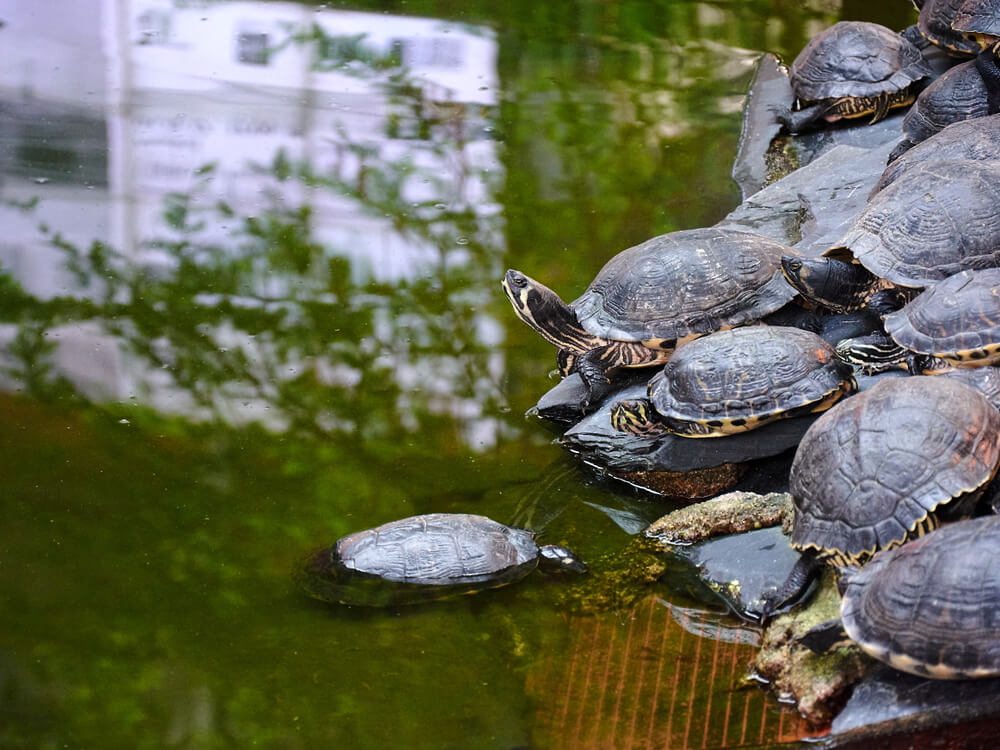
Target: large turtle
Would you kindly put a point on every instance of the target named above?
(737, 380)
(929, 607)
(938, 218)
(964, 92)
(649, 296)
(953, 324)
(880, 467)
(977, 139)
(852, 69)
(421, 558)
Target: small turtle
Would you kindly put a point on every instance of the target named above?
(953, 324)
(650, 296)
(938, 218)
(880, 467)
(852, 69)
(928, 607)
(737, 380)
(422, 558)
(961, 93)
(935, 24)
(977, 139)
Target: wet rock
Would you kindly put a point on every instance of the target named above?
(816, 683)
(752, 170)
(736, 569)
(561, 403)
(727, 514)
(887, 704)
(688, 485)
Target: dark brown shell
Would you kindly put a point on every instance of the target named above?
(755, 372)
(937, 219)
(978, 17)
(935, 23)
(874, 466)
(855, 58)
(694, 281)
(954, 318)
(977, 139)
(957, 94)
(932, 606)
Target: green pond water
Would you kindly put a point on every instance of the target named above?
(245, 310)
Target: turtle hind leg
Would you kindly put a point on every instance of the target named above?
(825, 637)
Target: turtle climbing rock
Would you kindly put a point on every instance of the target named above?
(650, 296)
(422, 558)
(880, 467)
(937, 219)
(852, 69)
(929, 607)
(736, 380)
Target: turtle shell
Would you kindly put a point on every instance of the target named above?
(986, 380)
(745, 377)
(854, 59)
(689, 282)
(957, 94)
(939, 218)
(977, 139)
(930, 607)
(871, 470)
(978, 17)
(935, 23)
(421, 558)
(957, 319)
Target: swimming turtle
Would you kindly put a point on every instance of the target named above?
(736, 380)
(879, 468)
(649, 296)
(427, 557)
(960, 93)
(938, 218)
(928, 607)
(852, 69)
(977, 139)
(953, 324)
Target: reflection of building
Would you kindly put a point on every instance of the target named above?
(182, 85)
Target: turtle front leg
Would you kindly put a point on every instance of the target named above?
(795, 585)
(597, 365)
(988, 65)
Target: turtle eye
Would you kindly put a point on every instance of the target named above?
(518, 280)
(795, 265)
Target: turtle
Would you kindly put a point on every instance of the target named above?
(935, 21)
(852, 69)
(978, 21)
(882, 467)
(938, 218)
(427, 557)
(651, 296)
(953, 324)
(960, 93)
(736, 380)
(928, 607)
(977, 139)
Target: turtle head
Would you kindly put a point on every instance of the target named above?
(871, 354)
(544, 311)
(830, 282)
(553, 557)
(636, 417)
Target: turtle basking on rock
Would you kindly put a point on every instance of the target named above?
(428, 557)
(649, 297)
(937, 219)
(737, 380)
(953, 324)
(929, 607)
(852, 69)
(879, 468)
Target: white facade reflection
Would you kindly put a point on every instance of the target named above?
(171, 87)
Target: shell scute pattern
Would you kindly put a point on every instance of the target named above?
(957, 94)
(930, 606)
(685, 283)
(859, 473)
(746, 372)
(938, 220)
